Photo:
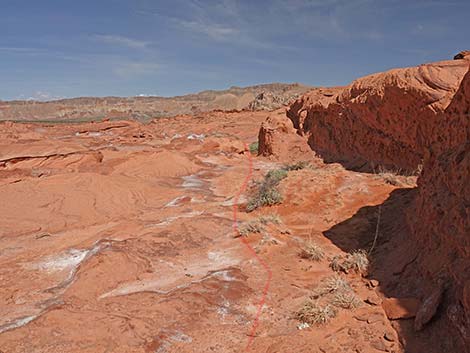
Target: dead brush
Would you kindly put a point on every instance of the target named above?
(251, 227)
(346, 300)
(270, 218)
(331, 284)
(356, 261)
(313, 312)
(297, 166)
(397, 177)
(312, 251)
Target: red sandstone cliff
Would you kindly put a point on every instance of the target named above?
(386, 119)
(441, 221)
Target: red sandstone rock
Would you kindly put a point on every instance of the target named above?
(428, 309)
(441, 221)
(277, 138)
(465, 54)
(400, 308)
(384, 119)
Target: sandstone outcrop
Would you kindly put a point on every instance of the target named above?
(462, 55)
(387, 119)
(441, 221)
(277, 138)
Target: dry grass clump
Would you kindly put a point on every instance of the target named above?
(313, 312)
(258, 225)
(333, 292)
(346, 300)
(250, 227)
(356, 261)
(297, 166)
(312, 251)
(398, 177)
(270, 218)
(336, 263)
(391, 178)
(331, 285)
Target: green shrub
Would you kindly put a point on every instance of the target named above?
(254, 147)
(268, 194)
(275, 176)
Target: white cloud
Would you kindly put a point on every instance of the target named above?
(122, 41)
(40, 96)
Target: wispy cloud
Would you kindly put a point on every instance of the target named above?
(22, 50)
(132, 69)
(212, 30)
(121, 41)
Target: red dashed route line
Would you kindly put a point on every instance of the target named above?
(252, 251)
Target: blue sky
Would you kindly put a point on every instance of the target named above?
(63, 48)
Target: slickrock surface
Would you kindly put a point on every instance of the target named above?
(260, 97)
(118, 237)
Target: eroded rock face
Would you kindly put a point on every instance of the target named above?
(441, 221)
(386, 119)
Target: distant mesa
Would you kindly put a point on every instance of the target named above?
(146, 107)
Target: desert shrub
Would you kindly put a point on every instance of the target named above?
(270, 218)
(346, 300)
(250, 227)
(275, 176)
(336, 263)
(268, 194)
(297, 166)
(312, 251)
(254, 147)
(313, 312)
(265, 197)
(356, 261)
(332, 284)
(398, 177)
